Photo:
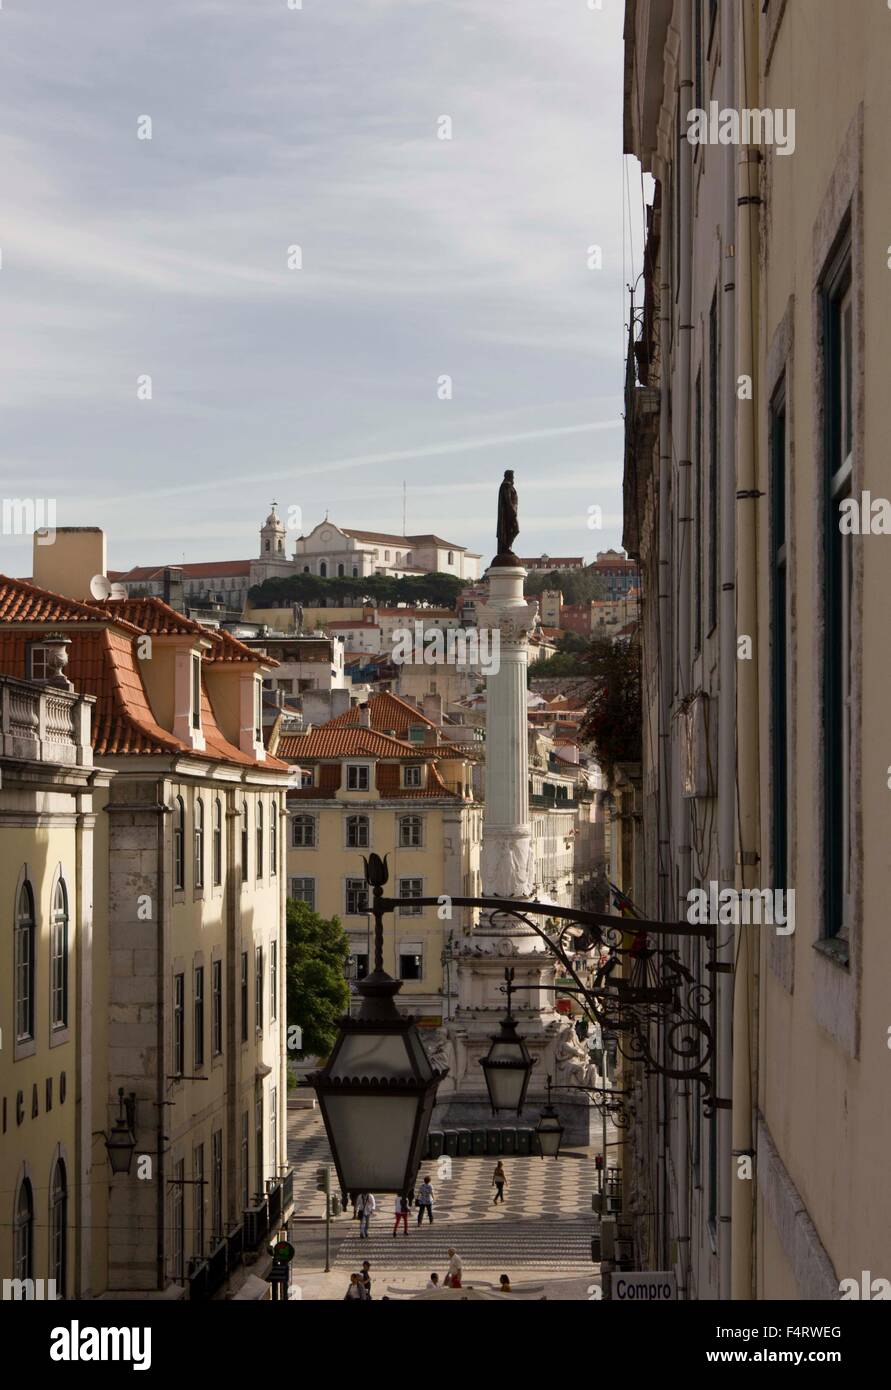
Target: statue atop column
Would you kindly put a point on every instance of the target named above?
(508, 525)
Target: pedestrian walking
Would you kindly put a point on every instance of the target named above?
(425, 1201)
(499, 1179)
(453, 1277)
(366, 1206)
(365, 1276)
(400, 1206)
(356, 1292)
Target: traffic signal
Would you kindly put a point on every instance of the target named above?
(598, 1161)
(323, 1179)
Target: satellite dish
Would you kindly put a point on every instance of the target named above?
(100, 587)
(118, 591)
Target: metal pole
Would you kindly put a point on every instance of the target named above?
(327, 1232)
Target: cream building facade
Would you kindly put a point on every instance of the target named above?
(187, 974)
(408, 796)
(756, 417)
(48, 785)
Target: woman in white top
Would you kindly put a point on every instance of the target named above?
(366, 1207)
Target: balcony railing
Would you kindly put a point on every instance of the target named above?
(44, 723)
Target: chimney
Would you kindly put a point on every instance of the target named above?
(364, 717)
(68, 558)
(433, 708)
(173, 592)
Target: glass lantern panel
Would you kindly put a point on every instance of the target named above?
(372, 1054)
(372, 1137)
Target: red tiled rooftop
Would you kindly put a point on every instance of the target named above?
(23, 602)
(386, 711)
(102, 663)
(334, 740)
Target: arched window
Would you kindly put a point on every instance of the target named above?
(357, 832)
(340, 571)
(23, 1234)
(273, 840)
(58, 1251)
(259, 839)
(266, 545)
(451, 557)
(323, 570)
(217, 843)
(355, 572)
(59, 958)
(179, 843)
(244, 842)
(409, 832)
(303, 832)
(25, 965)
(199, 843)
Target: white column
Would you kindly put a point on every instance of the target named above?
(507, 864)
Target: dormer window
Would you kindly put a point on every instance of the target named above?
(37, 668)
(357, 778)
(411, 776)
(196, 691)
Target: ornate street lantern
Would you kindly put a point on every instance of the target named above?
(508, 1064)
(121, 1142)
(378, 1087)
(549, 1131)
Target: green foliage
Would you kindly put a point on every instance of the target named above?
(571, 663)
(430, 590)
(318, 994)
(576, 586)
(613, 718)
(573, 642)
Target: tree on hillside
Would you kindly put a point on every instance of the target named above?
(419, 590)
(318, 994)
(576, 586)
(613, 718)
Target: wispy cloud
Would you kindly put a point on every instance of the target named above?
(421, 258)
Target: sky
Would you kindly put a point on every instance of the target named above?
(439, 323)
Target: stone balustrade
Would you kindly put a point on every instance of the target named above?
(42, 723)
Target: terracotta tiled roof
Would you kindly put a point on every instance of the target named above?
(418, 613)
(406, 542)
(389, 784)
(23, 602)
(211, 569)
(154, 616)
(328, 777)
(334, 740)
(102, 663)
(386, 711)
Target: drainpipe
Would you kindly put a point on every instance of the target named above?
(747, 702)
(165, 799)
(680, 1146)
(658, 1086)
(723, 982)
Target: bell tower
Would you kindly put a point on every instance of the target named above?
(272, 537)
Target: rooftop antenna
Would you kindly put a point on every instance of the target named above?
(403, 507)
